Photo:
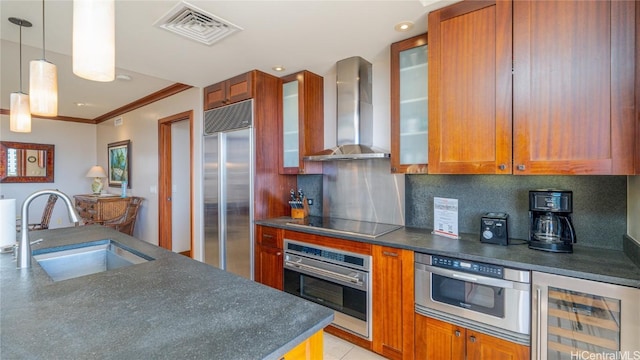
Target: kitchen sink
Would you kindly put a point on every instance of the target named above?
(71, 261)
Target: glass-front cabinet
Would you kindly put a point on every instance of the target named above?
(302, 126)
(290, 128)
(409, 105)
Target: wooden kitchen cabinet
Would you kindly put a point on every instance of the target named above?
(227, 92)
(436, 339)
(572, 89)
(269, 257)
(409, 105)
(470, 123)
(574, 66)
(393, 302)
(302, 125)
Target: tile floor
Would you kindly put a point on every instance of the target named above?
(338, 349)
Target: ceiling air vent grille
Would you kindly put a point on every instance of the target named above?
(196, 24)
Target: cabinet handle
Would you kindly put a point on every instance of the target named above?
(278, 253)
(521, 167)
(267, 236)
(457, 332)
(502, 167)
(472, 339)
(387, 253)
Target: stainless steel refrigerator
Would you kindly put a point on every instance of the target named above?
(229, 158)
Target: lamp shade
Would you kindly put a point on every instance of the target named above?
(96, 172)
(43, 88)
(20, 116)
(94, 39)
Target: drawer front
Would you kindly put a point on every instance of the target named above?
(270, 237)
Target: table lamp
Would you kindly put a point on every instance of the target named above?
(97, 173)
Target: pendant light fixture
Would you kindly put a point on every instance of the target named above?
(43, 83)
(94, 39)
(19, 113)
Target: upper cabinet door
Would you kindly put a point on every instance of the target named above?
(230, 91)
(302, 125)
(470, 122)
(409, 106)
(574, 66)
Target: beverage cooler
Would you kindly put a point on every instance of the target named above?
(582, 319)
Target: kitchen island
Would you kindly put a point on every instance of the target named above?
(168, 308)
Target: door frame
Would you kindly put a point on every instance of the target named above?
(165, 216)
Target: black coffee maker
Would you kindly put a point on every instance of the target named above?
(550, 227)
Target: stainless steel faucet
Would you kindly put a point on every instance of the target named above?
(24, 246)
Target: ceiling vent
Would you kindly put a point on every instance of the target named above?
(196, 24)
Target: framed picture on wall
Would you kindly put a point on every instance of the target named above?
(119, 162)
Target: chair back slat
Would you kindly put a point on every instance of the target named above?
(46, 214)
(127, 221)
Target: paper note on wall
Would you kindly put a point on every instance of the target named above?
(445, 217)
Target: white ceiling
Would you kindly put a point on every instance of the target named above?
(298, 35)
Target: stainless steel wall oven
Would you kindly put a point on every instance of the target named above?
(334, 278)
(479, 296)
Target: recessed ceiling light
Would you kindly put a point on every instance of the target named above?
(123, 77)
(404, 26)
(80, 104)
(278, 68)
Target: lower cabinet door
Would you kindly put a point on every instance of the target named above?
(482, 346)
(269, 267)
(436, 339)
(393, 302)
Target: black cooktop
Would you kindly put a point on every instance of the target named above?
(345, 226)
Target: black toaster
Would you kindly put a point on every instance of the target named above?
(493, 228)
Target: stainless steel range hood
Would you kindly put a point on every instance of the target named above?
(354, 114)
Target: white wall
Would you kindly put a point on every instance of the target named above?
(633, 207)
(75, 153)
(141, 128)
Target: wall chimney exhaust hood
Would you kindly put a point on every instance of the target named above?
(354, 114)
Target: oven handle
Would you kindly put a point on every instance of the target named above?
(325, 273)
(482, 280)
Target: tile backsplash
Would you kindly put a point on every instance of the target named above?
(599, 203)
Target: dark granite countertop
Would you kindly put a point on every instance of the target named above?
(169, 308)
(589, 263)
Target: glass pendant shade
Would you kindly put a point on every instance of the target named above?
(94, 39)
(43, 88)
(19, 114)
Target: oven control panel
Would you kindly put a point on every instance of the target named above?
(467, 266)
(335, 256)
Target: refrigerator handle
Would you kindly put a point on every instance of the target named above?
(538, 329)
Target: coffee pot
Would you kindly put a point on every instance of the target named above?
(550, 220)
(546, 228)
